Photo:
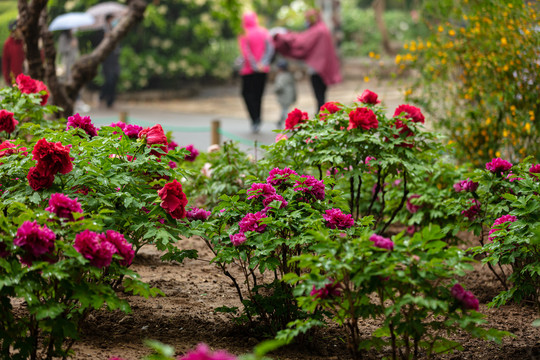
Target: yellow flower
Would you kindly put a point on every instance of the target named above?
(452, 32)
(527, 127)
(440, 28)
(498, 154)
(488, 121)
(398, 59)
(366, 78)
(505, 133)
(371, 54)
(408, 92)
(503, 41)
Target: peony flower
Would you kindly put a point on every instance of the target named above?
(8, 148)
(295, 118)
(155, 136)
(132, 131)
(535, 169)
(466, 298)
(330, 289)
(63, 206)
(94, 247)
(206, 170)
(172, 145)
(238, 239)
(279, 176)
(330, 107)
(197, 214)
(52, 157)
(472, 212)
(27, 85)
(120, 124)
(280, 137)
(275, 197)
(382, 242)
(84, 122)
(412, 207)
(309, 185)
(260, 190)
(369, 97)
(510, 177)
(173, 199)
(251, 222)
(336, 219)
(500, 221)
(202, 352)
(364, 118)
(38, 179)
(173, 165)
(122, 246)
(498, 166)
(410, 112)
(193, 153)
(7, 121)
(213, 148)
(466, 185)
(36, 241)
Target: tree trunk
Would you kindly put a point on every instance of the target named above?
(33, 18)
(379, 7)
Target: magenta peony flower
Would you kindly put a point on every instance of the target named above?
(535, 169)
(336, 219)
(411, 112)
(122, 246)
(330, 289)
(500, 221)
(260, 190)
(172, 145)
(173, 165)
(35, 240)
(203, 352)
(95, 248)
(193, 153)
(76, 121)
(309, 185)
(63, 206)
(275, 197)
(369, 97)
(472, 212)
(7, 121)
(466, 185)
(294, 118)
(413, 207)
(364, 118)
(238, 239)
(120, 124)
(382, 242)
(132, 130)
(197, 214)
(466, 298)
(498, 165)
(279, 176)
(510, 177)
(251, 222)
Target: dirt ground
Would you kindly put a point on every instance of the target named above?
(186, 317)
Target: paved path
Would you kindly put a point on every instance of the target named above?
(190, 119)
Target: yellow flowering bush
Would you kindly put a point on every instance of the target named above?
(479, 76)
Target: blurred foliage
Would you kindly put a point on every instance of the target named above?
(479, 75)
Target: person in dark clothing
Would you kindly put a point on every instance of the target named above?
(13, 54)
(111, 69)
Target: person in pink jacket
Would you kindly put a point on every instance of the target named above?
(316, 47)
(256, 49)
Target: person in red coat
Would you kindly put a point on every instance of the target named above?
(13, 54)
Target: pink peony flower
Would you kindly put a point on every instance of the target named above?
(466, 185)
(132, 130)
(498, 166)
(122, 246)
(52, 157)
(238, 239)
(411, 112)
(369, 97)
(84, 122)
(36, 241)
(260, 190)
(94, 247)
(279, 177)
(412, 207)
(336, 219)
(295, 118)
(275, 197)
(193, 153)
(466, 298)
(280, 137)
(251, 222)
(197, 214)
(472, 212)
(203, 352)
(510, 177)
(364, 118)
(310, 185)
(206, 170)
(120, 124)
(331, 289)
(173, 199)
(63, 206)
(27, 85)
(7, 121)
(500, 221)
(38, 180)
(382, 242)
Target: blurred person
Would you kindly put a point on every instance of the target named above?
(110, 68)
(257, 50)
(285, 89)
(315, 46)
(68, 51)
(13, 55)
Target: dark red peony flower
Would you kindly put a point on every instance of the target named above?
(411, 112)
(369, 97)
(364, 118)
(7, 121)
(38, 179)
(155, 135)
(173, 199)
(27, 85)
(294, 118)
(52, 157)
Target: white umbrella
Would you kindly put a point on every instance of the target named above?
(71, 20)
(101, 10)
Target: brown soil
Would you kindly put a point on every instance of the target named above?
(186, 317)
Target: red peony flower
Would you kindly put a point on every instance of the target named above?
(27, 85)
(155, 135)
(173, 199)
(369, 97)
(294, 118)
(411, 112)
(95, 248)
(52, 157)
(330, 289)
(364, 118)
(330, 107)
(122, 246)
(193, 153)
(7, 122)
(8, 148)
(39, 179)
